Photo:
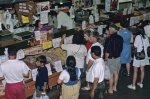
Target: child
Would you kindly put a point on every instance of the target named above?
(41, 77)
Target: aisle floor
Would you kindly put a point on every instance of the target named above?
(122, 93)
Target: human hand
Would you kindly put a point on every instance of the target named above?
(64, 35)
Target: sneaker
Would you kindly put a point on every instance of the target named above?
(131, 87)
(85, 88)
(140, 85)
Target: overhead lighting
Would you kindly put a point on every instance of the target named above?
(61, 1)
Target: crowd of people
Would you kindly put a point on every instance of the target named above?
(86, 55)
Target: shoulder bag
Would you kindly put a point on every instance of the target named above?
(140, 55)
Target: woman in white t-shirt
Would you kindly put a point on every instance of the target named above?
(77, 49)
(69, 78)
(141, 41)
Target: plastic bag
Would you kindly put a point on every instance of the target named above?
(41, 97)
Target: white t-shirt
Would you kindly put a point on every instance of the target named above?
(78, 51)
(65, 77)
(64, 20)
(13, 71)
(89, 57)
(97, 70)
(147, 30)
(140, 42)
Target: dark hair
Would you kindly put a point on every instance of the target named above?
(88, 32)
(41, 59)
(124, 23)
(37, 23)
(96, 50)
(113, 26)
(71, 63)
(12, 51)
(96, 35)
(140, 31)
(78, 38)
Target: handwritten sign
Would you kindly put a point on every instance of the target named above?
(56, 42)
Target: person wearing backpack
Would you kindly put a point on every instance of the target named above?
(69, 78)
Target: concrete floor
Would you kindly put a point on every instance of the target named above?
(122, 93)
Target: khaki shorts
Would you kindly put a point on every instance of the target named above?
(71, 92)
(114, 65)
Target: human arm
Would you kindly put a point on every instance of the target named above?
(62, 40)
(94, 87)
(90, 63)
(44, 87)
(1, 75)
(63, 77)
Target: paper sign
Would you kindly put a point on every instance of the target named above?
(49, 69)
(46, 45)
(129, 10)
(34, 73)
(58, 66)
(44, 17)
(56, 42)
(25, 19)
(68, 40)
(100, 29)
(132, 21)
(125, 11)
(37, 35)
(20, 54)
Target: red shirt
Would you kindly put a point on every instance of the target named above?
(88, 44)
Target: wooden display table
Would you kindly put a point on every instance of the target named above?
(30, 85)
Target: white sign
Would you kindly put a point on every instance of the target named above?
(44, 17)
(37, 35)
(56, 42)
(58, 66)
(34, 73)
(48, 66)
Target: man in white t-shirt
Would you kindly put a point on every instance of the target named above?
(14, 71)
(97, 74)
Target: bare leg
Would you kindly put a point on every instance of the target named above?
(110, 90)
(128, 68)
(135, 75)
(115, 81)
(142, 74)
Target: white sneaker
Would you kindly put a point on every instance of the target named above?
(140, 85)
(85, 88)
(131, 87)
